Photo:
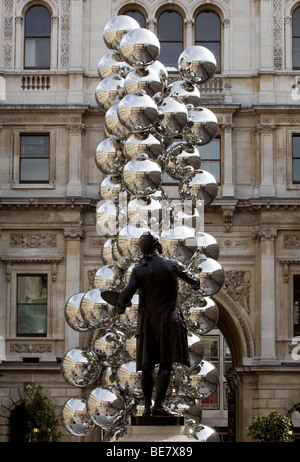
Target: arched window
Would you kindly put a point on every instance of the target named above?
(138, 16)
(37, 38)
(170, 35)
(208, 33)
(296, 38)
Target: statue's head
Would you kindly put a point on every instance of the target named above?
(149, 243)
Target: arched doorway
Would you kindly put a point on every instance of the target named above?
(18, 427)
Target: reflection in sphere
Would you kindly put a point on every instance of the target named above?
(107, 214)
(129, 380)
(129, 318)
(200, 185)
(112, 124)
(108, 277)
(75, 418)
(202, 126)
(145, 78)
(212, 275)
(207, 245)
(73, 314)
(95, 311)
(161, 70)
(108, 90)
(137, 111)
(142, 176)
(107, 344)
(186, 92)
(143, 142)
(128, 240)
(185, 213)
(196, 349)
(139, 47)
(173, 117)
(201, 314)
(107, 251)
(145, 208)
(179, 242)
(104, 407)
(197, 64)
(109, 156)
(205, 434)
(80, 367)
(205, 382)
(111, 187)
(130, 346)
(108, 378)
(111, 63)
(116, 28)
(181, 159)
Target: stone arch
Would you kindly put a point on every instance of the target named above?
(24, 5)
(290, 7)
(235, 327)
(14, 399)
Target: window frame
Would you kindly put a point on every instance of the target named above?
(295, 36)
(182, 41)
(205, 11)
(38, 181)
(218, 161)
(26, 37)
(134, 10)
(295, 135)
(296, 297)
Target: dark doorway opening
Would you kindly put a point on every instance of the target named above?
(18, 426)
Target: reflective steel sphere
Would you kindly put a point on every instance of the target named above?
(95, 311)
(197, 64)
(202, 126)
(128, 240)
(212, 276)
(144, 142)
(111, 188)
(107, 251)
(205, 434)
(140, 47)
(200, 185)
(108, 90)
(112, 124)
(145, 78)
(181, 159)
(111, 63)
(201, 313)
(142, 176)
(128, 319)
(73, 315)
(207, 245)
(109, 156)
(196, 349)
(108, 277)
(179, 242)
(186, 92)
(162, 72)
(129, 380)
(116, 28)
(147, 209)
(137, 112)
(81, 367)
(107, 214)
(205, 382)
(173, 117)
(108, 344)
(75, 418)
(104, 407)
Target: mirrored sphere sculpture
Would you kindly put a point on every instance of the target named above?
(207, 245)
(95, 311)
(181, 159)
(200, 185)
(73, 314)
(205, 434)
(109, 156)
(140, 47)
(205, 382)
(186, 92)
(80, 367)
(197, 64)
(137, 111)
(104, 407)
(116, 28)
(202, 313)
(112, 124)
(129, 380)
(75, 418)
(179, 242)
(173, 117)
(107, 345)
(196, 349)
(107, 214)
(111, 187)
(128, 319)
(108, 90)
(212, 275)
(142, 176)
(145, 78)
(111, 63)
(128, 240)
(107, 251)
(108, 277)
(147, 209)
(202, 126)
(144, 142)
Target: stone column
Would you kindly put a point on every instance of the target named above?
(266, 36)
(54, 42)
(73, 238)
(288, 43)
(226, 47)
(76, 36)
(74, 186)
(151, 23)
(267, 294)
(19, 43)
(189, 38)
(228, 186)
(267, 187)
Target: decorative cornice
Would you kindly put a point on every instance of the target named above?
(264, 233)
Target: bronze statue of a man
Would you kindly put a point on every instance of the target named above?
(161, 331)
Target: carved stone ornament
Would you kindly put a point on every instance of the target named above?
(74, 233)
(264, 233)
(30, 348)
(237, 285)
(32, 240)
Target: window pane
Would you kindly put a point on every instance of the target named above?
(139, 17)
(35, 145)
(34, 170)
(34, 158)
(296, 146)
(208, 27)
(170, 26)
(215, 48)
(169, 53)
(296, 305)
(37, 52)
(296, 52)
(37, 22)
(32, 305)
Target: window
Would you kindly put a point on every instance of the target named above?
(296, 305)
(32, 305)
(296, 159)
(296, 38)
(139, 17)
(37, 38)
(208, 34)
(211, 158)
(34, 158)
(170, 35)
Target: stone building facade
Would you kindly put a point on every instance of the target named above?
(48, 223)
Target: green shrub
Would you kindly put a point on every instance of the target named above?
(272, 428)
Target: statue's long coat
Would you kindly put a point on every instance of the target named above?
(161, 331)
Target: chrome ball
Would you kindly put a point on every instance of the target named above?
(142, 176)
(196, 349)
(201, 313)
(128, 319)
(107, 251)
(108, 277)
(80, 367)
(108, 344)
(186, 92)
(109, 156)
(116, 28)
(128, 240)
(207, 245)
(205, 382)
(137, 112)
(73, 315)
(212, 276)
(197, 64)
(111, 63)
(181, 159)
(112, 125)
(143, 142)
(145, 78)
(173, 117)
(104, 407)
(75, 418)
(202, 126)
(140, 47)
(179, 242)
(107, 215)
(205, 434)
(200, 185)
(145, 209)
(129, 379)
(95, 311)
(108, 90)
(111, 187)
